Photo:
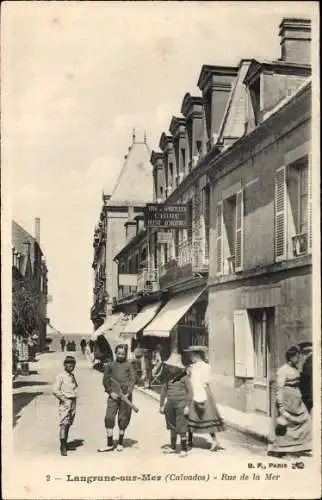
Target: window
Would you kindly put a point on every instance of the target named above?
(206, 216)
(293, 210)
(170, 175)
(183, 159)
(229, 245)
(176, 243)
(189, 216)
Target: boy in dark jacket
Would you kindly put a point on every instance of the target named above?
(119, 376)
(175, 401)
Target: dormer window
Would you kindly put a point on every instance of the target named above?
(170, 174)
(254, 91)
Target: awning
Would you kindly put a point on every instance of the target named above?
(107, 325)
(170, 314)
(144, 317)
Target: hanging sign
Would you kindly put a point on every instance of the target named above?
(166, 216)
(164, 237)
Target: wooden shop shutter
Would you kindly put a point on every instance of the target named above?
(219, 239)
(243, 345)
(280, 213)
(239, 231)
(309, 205)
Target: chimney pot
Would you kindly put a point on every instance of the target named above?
(37, 230)
(295, 41)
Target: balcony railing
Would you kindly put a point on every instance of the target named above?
(188, 252)
(300, 244)
(148, 280)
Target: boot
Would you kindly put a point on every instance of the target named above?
(63, 448)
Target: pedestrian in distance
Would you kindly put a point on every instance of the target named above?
(204, 417)
(65, 390)
(293, 422)
(175, 401)
(83, 345)
(118, 382)
(62, 343)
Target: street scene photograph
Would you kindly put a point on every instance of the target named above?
(160, 272)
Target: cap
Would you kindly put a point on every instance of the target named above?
(70, 359)
(197, 348)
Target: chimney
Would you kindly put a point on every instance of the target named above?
(295, 40)
(37, 230)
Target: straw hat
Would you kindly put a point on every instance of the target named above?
(197, 348)
(174, 361)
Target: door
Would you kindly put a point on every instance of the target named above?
(262, 326)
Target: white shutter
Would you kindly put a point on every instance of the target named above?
(219, 239)
(309, 203)
(239, 240)
(243, 345)
(280, 213)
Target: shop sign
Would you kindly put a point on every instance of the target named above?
(165, 216)
(164, 237)
(128, 280)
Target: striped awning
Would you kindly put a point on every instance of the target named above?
(142, 319)
(171, 313)
(108, 324)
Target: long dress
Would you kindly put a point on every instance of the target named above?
(289, 401)
(204, 416)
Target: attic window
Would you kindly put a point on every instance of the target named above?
(255, 99)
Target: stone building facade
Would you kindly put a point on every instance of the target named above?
(29, 271)
(131, 192)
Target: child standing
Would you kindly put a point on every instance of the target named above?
(65, 390)
(175, 401)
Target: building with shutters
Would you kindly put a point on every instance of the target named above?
(29, 284)
(261, 230)
(133, 189)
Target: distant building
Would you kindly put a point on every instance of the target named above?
(133, 189)
(29, 271)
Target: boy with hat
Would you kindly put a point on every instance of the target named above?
(65, 390)
(175, 401)
(119, 378)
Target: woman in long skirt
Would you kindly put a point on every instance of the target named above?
(293, 425)
(204, 417)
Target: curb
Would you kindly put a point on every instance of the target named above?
(245, 430)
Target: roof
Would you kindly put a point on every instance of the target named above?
(135, 181)
(233, 124)
(287, 99)
(19, 239)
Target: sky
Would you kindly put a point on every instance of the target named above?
(76, 78)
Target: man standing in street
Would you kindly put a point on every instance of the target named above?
(118, 379)
(62, 343)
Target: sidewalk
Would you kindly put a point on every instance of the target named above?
(252, 424)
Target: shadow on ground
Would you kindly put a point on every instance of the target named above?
(20, 400)
(128, 443)
(75, 443)
(27, 383)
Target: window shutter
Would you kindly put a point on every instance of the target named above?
(280, 213)
(239, 231)
(309, 204)
(219, 239)
(243, 345)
